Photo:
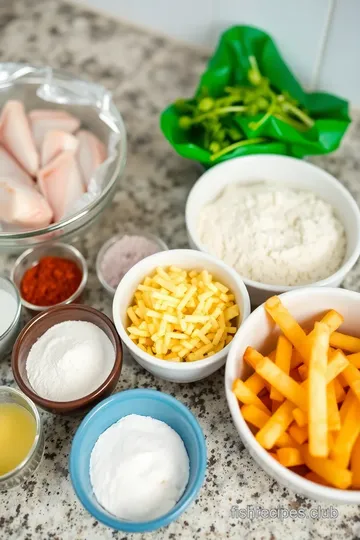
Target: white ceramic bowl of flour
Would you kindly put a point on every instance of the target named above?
(284, 172)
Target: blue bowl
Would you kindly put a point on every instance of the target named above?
(146, 403)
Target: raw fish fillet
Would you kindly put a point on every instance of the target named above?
(61, 184)
(91, 153)
(16, 136)
(11, 169)
(42, 121)
(23, 205)
(56, 142)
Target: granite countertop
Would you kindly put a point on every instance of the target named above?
(145, 72)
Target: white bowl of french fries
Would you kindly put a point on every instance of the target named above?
(281, 171)
(293, 388)
(177, 312)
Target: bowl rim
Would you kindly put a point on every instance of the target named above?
(157, 362)
(33, 78)
(289, 478)
(66, 247)
(110, 241)
(39, 427)
(85, 400)
(18, 308)
(343, 192)
(174, 513)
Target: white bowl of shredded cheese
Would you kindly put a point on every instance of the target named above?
(280, 222)
(177, 371)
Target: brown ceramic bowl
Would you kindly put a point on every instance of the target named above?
(36, 328)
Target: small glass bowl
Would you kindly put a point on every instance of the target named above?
(32, 256)
(110, 242)
(29, 465)
(7, 339)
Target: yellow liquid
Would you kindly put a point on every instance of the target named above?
(17, 434)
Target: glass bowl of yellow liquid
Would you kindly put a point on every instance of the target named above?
(21, 438)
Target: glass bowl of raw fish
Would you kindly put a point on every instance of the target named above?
(63, 111)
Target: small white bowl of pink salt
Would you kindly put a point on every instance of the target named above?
(120, 253)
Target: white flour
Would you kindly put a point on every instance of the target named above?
(139, 468)
(71, 360)
(273, 235)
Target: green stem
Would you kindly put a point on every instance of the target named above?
(255, 126)
(216, 112)
(232, 147)
(303, 117)
(291, 122)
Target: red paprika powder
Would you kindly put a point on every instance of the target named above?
(51, 281)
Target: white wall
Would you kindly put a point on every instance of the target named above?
(320, 39)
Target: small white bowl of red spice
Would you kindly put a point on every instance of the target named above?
(50, 275)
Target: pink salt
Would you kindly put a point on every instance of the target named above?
(122, 256)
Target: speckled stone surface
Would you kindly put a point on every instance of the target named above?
(146, 72)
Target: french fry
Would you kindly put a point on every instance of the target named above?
(333, 415)
(254, 415)
(327, 469)
(286, 441)
(252, 357)
(303, 372)
(299, 434)
(332, 319)
(346, 343)
(313, 477)
(355, 464)
(339, 391)
(337, 363)
(345, 406)
(292, 330)
(290, 457)
(317, 401)
(276, 425)
(282, 382)
(267, 401)
(275, 405)
(255, 383)
(300, 417)
(352, 377)
(354, 359)
(246, 396)
(296, 359)
(282, 360)
(350, 429)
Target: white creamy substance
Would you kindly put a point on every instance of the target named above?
(272, 234)
(139, 468)
(70, 361)
(8, 308)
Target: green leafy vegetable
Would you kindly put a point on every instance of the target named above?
(249, 102)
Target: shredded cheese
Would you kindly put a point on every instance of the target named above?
(182, 316)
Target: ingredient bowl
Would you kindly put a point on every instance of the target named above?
(146, 403)
(8, 337)
(284, 172)
(189, 260)
(46, 88)
(29, 465)
(36, 328)
(31, 257)
(100, 257)
(259, 331)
